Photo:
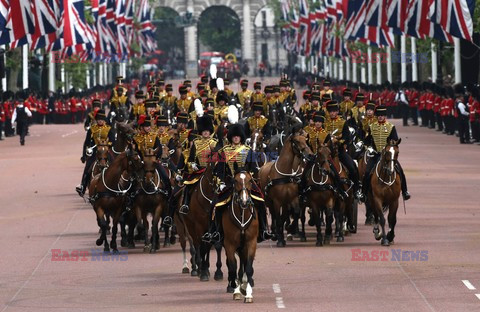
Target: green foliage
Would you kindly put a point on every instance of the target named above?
(168, 36)
(14, 59)
(219, 28)
(476, 17)
(77, 73)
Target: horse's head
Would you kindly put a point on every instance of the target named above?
(299, 145)
(149, 165)
(134, 160)
(324, 151)
(390, 155)
(126, 131)
(103, 147)
(121, 113)
(243, 182)
(256, 140)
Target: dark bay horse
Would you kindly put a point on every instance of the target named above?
(150, 199)
(107, 193)
(197, 221)
(320, 191)
(102, 157)
(240, 226)
(385, 189)
(278, 181)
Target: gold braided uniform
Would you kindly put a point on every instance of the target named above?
(267, 103)
(184, 143)
(184, 105)
(235, 154)
(169, 100)
(257, 97)
(305, 108)
(138, 109)
(346, 106)
(229, 92)
(358, 113)
(220, 113)
(92, 119)
(329, 91)
(242, 95)
(380, 132)
(164, 137)
(367, 121)
(202, 147)
(145, 141)
(162, 94)
(335, 124)
(257, 123)
(190, 95)
(100, 133)
(316, 137)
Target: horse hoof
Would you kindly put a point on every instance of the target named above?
(147, 248)
(131, 245)
(230, 289)
(340, 239)
(303, 239)
(289, 237)
(378, 237)
(218, 276)
(185, 270)
(281, 244)
(115, 251)
(326, 240)
(237, 296)
(248, 300)
(106, 250)
(166, 244)
(123, 243)
(390, 237)
(352, 229)
(194, 273)
(204, 277)
(274, 238)
(173, 240)
(153, 250)
(319, 243)
(385, 242)
(99, 242)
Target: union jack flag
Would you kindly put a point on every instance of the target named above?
(4, 8)
(455, 16)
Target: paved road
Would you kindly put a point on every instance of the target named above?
(40, 211)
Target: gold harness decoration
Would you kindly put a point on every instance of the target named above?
(236, 154)
(346, 106)
(257, 123)
(100, 133)
(145, 141)
(380, 132)
(315, 134)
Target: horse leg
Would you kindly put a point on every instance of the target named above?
(115, 219)
(392, 221)
(155, 234)
(339, 213)
(233, 284)
(328, 225)
(132, 222)
(379, 216)
(102, 222)
(249, 256)
(123, 232)
(303, 237)
(204, 255)
(279, 221)
(218, 273)
(316, 214)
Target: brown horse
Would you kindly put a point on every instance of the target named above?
(102, 157)
(240, 226)
(278, 180)
(107, 190)
(385, 189)
(151, 198)
(256, 144)
(320, 190)
(196, 223)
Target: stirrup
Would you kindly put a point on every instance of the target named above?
(215, 237)
(184, 209)
(80, 190)
(167, 221)
(359, 195)
(406, 195)
(266, 235)
(207, 238)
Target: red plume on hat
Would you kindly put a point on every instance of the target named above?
(141, 119)
(95, 111)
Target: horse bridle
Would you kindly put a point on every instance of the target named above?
(237, 198)
(297, 151)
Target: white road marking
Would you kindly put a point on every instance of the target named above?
(478, 296)
(40, 263)
(468, 284)
(416, 288)
(69, 133)
(278, 299)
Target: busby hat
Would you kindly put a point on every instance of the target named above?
(283, 83)
(119, 79)
(257, 106)
(204, 79)
(318, 117)
(213, 83)
(160, 82)
(162, 121)
(139, 94)
(209, 102)
(315, 96)
(144, 121)
(244, 83)
(226, 81)
(182, 118)
(327, 97)
(276, 88)
(169, 87)
(381, 111)
(332, 106)
(347, 92)
(182, 89)
(310, 114)
(205, 123)
(257, 85)
(100, 115)
(222, 96)
(306, 94)
(360, 97)
(200, 86)
(236, 130)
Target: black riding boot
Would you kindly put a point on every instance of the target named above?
(165, 180)
(208, 237)
(172, 205)
(405, 194)
(338, 182)
(303, 183)
(184, 209)
(263, 233)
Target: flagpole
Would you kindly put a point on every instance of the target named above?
(51, 73)
(340, 69)
(389, 64)
(458, 69)
(25, 67)
(434, 62)
(335, 68)
(100, 74)
(403, 50)
(354, 72)
(414, 59)
(347, 69)
(62, 77)
(330, 67)
(379, 71)
(369, 66)
(4, 59)
(87, 70)
(363, 74)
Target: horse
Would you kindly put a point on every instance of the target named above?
(102, 157)
(385, 189)
(320, 191)
(106, 194)
(278, 180)
(123, 136)
(256, 144)
(151, 198)
(196, 224)
(240, 226)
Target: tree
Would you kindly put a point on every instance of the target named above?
(219, 28)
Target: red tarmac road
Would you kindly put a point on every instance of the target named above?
(40, 211)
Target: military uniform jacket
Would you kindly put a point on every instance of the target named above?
(316, 137)
(257, 97)
(242, 95)
(358, 113)
(184, 106)
(231, 154)
(260, 123)
(95, 134)
(200, 150)
(346, 106)
(341, 128)
(137, 110)
(379, 134)
(366, 122)
(220, 112)
(146, 141)
(166, 139)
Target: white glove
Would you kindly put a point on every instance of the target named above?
(195, 167)
(179, 178)
(89, 151)
(358, 145)
(113, 114)
(222, 187)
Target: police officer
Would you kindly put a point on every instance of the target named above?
(20, 117)
(463, 115)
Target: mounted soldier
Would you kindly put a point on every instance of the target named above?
(100, 131)
(379, 134)
(138, 108)
(244, 95)
(347, 104)
(258, 122)
(236, 152)
(90, 120)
